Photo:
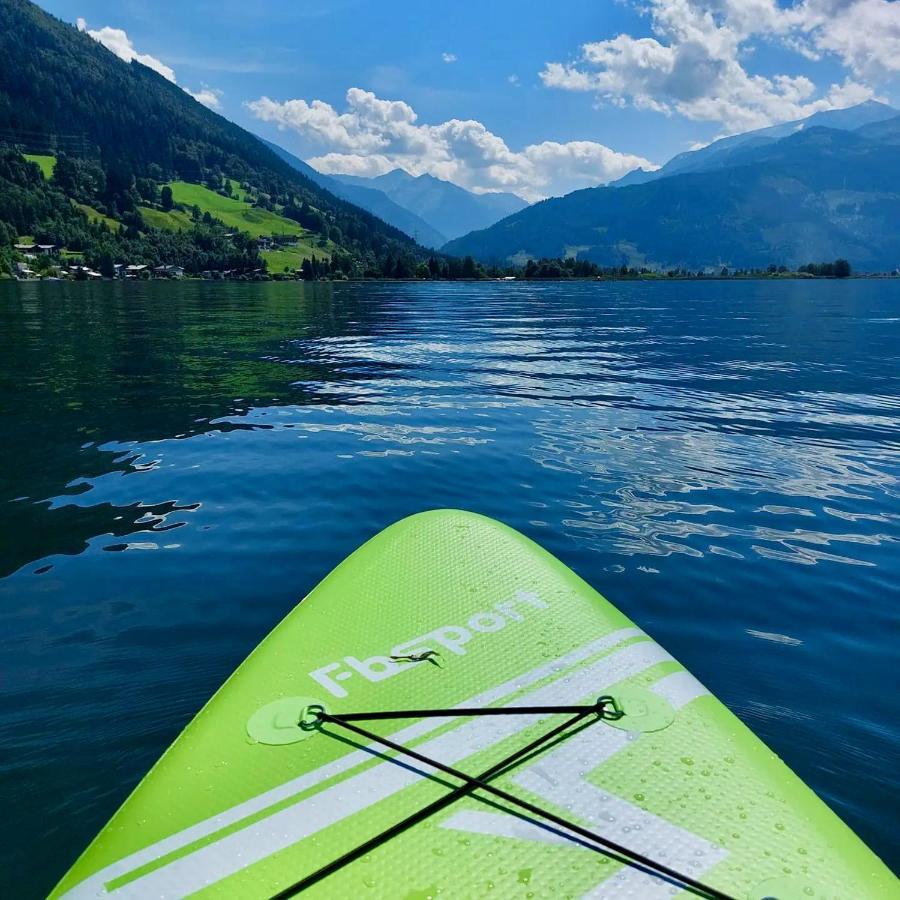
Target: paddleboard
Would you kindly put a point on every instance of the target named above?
(451, 612)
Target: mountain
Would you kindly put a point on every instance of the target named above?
(721, 153)
(886, 132)
(131, 132)
(374, 201)
(446, 207)
(818, 194)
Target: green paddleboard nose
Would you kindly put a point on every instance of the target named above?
(447, 612)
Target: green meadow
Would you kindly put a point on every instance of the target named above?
(47, 163)
(95, 216)
(292, 257)
(173, 220)
(234, 213)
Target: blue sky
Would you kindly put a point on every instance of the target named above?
(535, 98)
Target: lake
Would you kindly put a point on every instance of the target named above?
(181, 462)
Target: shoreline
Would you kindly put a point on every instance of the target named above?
(282, 279)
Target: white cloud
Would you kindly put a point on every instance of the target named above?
(449, 57)
(211, 97)
(373, 136)
(117, 40)
(514, 80)
(693, 65)
(864, 34)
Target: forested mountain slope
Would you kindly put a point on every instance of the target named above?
(818, 194)
(134, 131)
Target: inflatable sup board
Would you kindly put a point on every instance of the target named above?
(508, 733)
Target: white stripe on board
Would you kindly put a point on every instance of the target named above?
(559, 778)
(633, 884)
(216, 861)
(94, 885)
(508, 826)
(679, 689)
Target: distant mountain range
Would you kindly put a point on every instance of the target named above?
(446, 207)
(374, 201)
(429, 210)
(724, 151)
(804, 191)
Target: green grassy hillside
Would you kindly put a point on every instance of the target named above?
(239, 214)
(94, 216)
(47, 163)
(234, 213)
(173, 220)
(292, 257)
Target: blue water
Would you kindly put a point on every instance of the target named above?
(179, 464)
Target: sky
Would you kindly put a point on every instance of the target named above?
(498, 95)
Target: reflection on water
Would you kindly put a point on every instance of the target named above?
(180, 463)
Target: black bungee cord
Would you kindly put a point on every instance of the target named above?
(316, 716)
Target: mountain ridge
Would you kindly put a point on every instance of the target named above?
(445, 206)
(372, 200)
(718, 153)
(819, 193)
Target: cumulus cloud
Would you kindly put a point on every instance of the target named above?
(864, 34)
(117, 40)
(693, 63)
(211, 97)
(449, 57)
(373, 136)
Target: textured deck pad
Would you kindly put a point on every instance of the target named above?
(238, 808)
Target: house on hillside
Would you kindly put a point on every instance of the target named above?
(46, 249)
(134, 271)
(168, 272)
(83, 272)
(264, 242)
